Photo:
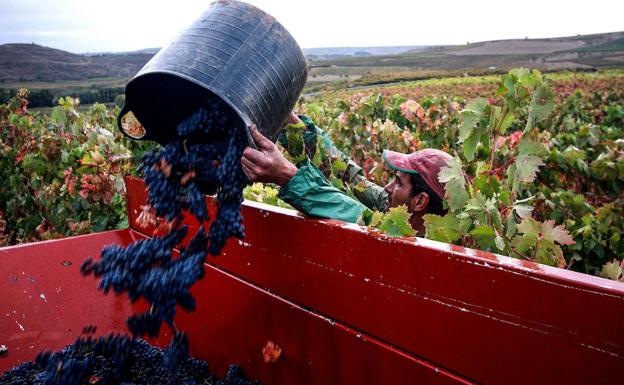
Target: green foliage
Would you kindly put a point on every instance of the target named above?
(455, 194)
(527, 167)
(612, 270)
(394, 223)
(264, 193)
(526, 158)
(542, 238)
(524, 169)
(61, 174)
(445, 229)
(294, 141)
(490, 208)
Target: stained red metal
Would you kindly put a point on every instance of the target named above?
(46, 302)
(348, 305)
(233, 321)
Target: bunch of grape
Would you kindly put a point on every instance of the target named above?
(203, 159)
(117, 359)
(146, 269)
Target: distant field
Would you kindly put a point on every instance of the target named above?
(46, 94)
(466, 87)
(614, 45)
(67, 84)
(515, 47)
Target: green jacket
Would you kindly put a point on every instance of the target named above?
(310, 192)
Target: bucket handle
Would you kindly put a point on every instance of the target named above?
(124, 110)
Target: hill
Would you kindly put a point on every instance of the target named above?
(31, 62)
(600, 50)
(64, 73)
(581, 52)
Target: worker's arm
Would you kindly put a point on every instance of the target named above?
(310, 192)
(371, 195)
(305, 188)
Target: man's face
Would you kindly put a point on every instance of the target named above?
(399, 190)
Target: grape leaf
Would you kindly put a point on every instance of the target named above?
(528, 146)
(542, 237)
(521, 75)
(493, 212)
(470, 145)
(444, 229)
(541, 106)
(455, 188)
(557, 234)
(476, 204)
(470, 116)
(365, 218)
(338, 166)
(510, 226)
(376, 219)
(58, 116)
(396, 222)
(506, 123)
(549, 253)
(523, 211)
(529, 228)
(573, 154)
(295, 145)
(612, 270)
(527, 167)
(499, 241)
(484, 235)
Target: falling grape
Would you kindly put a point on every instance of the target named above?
(203, 159)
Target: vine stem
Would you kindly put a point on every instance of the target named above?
(506, 165)
(536, 246)
(495, 130)
(519, 254)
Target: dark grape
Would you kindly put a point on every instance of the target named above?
(205, 156)
(116, 360)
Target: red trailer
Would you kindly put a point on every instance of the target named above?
(345, 304)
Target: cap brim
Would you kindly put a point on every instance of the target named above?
(399, 162)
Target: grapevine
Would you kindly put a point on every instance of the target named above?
(532, 155)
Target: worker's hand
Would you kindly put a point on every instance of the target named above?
(266, 164)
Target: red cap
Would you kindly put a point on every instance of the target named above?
(427, 163)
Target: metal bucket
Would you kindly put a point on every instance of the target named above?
(235, 52)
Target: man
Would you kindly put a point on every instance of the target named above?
(415, 183)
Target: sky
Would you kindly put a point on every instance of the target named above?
(115, 26)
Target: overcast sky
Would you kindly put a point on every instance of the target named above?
(115, 25)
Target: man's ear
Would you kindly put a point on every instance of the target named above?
(419, 202)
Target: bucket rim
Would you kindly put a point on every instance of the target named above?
(247, 121)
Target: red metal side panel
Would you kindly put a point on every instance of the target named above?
(47, 303)
(489, 318)
(235, 320)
